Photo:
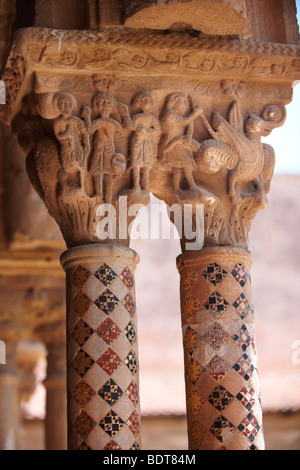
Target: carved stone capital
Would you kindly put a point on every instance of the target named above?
(177, 115)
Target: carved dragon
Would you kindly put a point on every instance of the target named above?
(240, 151)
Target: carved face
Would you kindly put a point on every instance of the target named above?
(65, 106)
(146, 104)
(180, 104)
(104, 106)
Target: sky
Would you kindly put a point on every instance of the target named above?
(286, 139)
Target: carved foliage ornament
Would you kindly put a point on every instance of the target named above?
(89, 150)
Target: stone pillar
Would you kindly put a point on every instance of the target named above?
(222, 383)
(54, 337)
(28, 356)
(103, 376)
(11, 333)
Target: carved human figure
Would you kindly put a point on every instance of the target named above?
(143, 145)
(71, 132)
(177, 144)
(105, 165)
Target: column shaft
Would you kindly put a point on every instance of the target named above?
(9, 404)
(222, 383)
(56, 398)
(102, 377)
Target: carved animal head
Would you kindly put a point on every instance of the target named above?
(272, 116)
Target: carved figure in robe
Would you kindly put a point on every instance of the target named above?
(71, 132)
(177, 144)
(143, 145)
(105, 165)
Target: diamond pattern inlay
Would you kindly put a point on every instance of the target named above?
(214, 273)
(107, 301)
(82, 362)
(243, 338)
(132, 393)
(217, 368)
(190, 340)
(108, 331)
(216, 336)
(242, 306)
(83, 393)
(109, 361)
(81, 303)
(240, 274)
(190, 306)
(80, 276)
(195, 401)
(193, 370)
(112, 445)
(84, 424)
(105, 274)
(244, 367)
(246, 397)
(110, 392)
(83, 446)
(219, 425)
(216, 304)
(111, 423)
(130, 333)
(188, 277)
(82, 332)
(131, 362)
(220, 398)
(133, 423)
(127, 277)
(129, 304)
(249, 427)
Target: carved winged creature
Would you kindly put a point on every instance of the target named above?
(240, 151)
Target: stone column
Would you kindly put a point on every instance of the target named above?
(103, 376)
(54, 337)
(222, 383)
(11, 333)
(28, 356)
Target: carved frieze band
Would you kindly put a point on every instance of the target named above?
(145, 54)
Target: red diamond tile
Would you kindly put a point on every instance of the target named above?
(129, 304)
(133, 393)
(108, 331)
(133, 423)
(127, 277)
(109, 361)
(112, 445)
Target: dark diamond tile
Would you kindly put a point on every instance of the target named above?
(107, 301)
(105, 274)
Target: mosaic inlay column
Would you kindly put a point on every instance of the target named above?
(222, 383)
(103, 376)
